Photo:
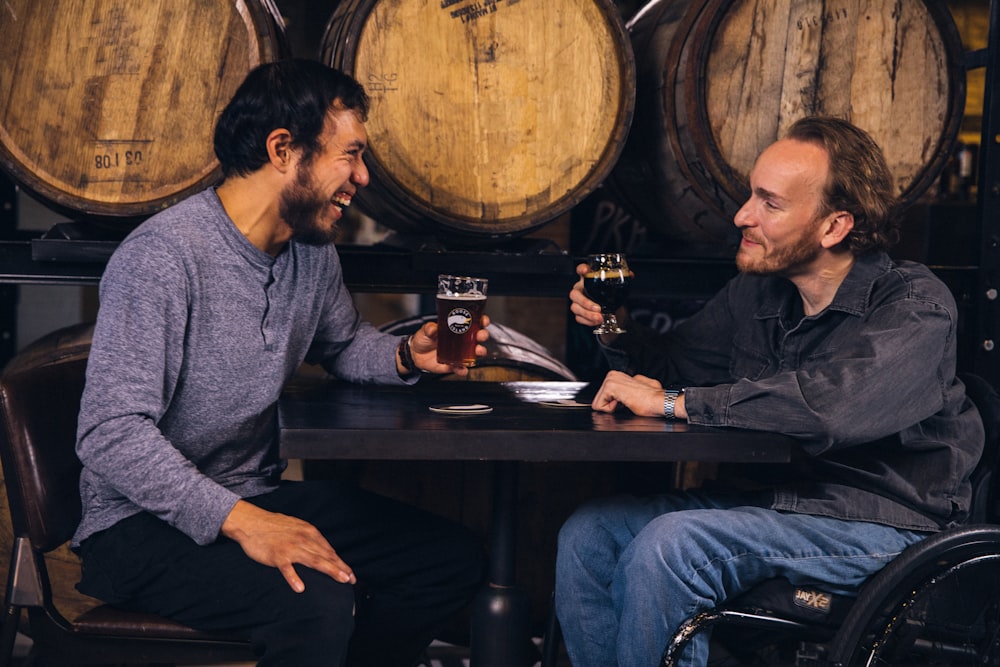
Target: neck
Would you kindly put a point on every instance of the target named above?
(819, 283)
(251, 203)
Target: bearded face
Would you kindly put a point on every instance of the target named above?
(783, 220)
(305, 208)
(784, 257)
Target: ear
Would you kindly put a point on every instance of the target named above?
(279, 149)
(835, 228)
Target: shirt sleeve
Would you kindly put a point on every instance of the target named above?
(349, 347)
(132, 371)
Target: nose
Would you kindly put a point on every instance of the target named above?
(360, 174)
(742, 217)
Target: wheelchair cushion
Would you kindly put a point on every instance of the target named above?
(807, 604)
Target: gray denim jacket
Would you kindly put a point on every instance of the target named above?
(868, 386)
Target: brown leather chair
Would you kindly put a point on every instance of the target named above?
(40, 393)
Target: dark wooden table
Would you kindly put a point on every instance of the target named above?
(335, 420)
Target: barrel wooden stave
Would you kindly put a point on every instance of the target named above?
(489, 119)
(719, 80)
(112, 104)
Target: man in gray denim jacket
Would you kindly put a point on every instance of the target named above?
(822, 336)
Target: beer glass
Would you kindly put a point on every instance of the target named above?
(460, 304)
(607, 282)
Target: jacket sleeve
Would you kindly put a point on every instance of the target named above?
(883, 378)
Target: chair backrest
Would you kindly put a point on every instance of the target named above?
(40, 392)
(985, 480)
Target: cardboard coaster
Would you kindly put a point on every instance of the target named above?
(471, 409)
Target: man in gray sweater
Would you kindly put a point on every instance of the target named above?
(207, 309)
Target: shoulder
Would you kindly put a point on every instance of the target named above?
(915, 281)
(912, 287)
(170, 235)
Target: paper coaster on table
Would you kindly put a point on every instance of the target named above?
(470, 409)
(565, 403)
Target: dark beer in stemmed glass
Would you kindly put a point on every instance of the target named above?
(460, 304)
(607, 282)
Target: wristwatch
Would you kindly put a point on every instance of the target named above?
(669, 401)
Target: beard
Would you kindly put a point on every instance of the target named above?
(782, 260)
(301, 207)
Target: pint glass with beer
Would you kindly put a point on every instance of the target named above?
(460, 304)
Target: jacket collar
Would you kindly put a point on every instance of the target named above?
(852, 296)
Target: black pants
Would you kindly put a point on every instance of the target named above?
(414, 571)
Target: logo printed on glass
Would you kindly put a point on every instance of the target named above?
(459, 320)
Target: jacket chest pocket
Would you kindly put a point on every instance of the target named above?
(749, 363)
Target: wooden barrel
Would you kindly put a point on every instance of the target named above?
(489, 119)
(719, 80)
(110, 105)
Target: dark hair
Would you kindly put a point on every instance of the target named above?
(860, 181)
(295, 94)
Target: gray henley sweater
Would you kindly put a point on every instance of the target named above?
(197, 333)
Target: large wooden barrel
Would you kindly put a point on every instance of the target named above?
(719, 80)
(489, 119)
(110, 105)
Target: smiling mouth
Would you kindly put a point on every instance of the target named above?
(341, 200)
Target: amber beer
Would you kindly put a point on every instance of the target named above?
(460, 304)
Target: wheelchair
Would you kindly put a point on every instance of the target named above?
(937, 603)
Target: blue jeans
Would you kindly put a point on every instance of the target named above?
(630, 570)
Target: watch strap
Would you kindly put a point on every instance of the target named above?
(670, 401)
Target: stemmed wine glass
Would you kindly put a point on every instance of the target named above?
(607, 282)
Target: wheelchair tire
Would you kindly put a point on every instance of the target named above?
(938, 603)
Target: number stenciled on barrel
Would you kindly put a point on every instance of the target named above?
(382, 83)
(114, 159)
(817, 20)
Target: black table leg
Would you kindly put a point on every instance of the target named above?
(500, 633)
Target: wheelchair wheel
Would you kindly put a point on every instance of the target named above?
(940, 609)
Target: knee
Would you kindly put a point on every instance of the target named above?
(670, 539)
(587, 527)
(324, 603)
(679, 551)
